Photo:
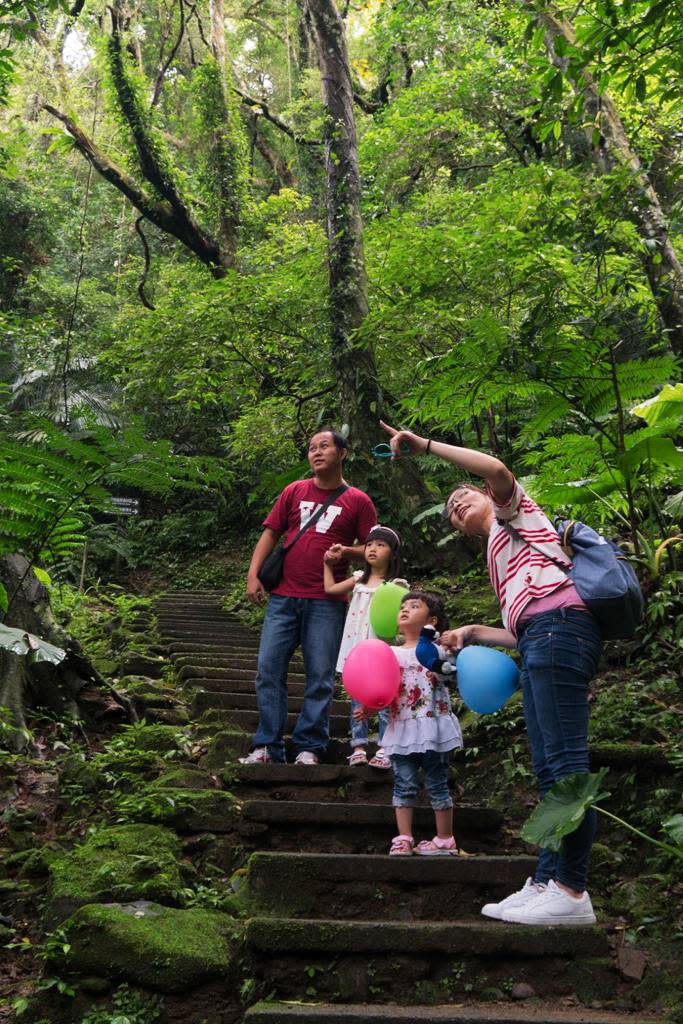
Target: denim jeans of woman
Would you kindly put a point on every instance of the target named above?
(560, 652)
(407, 781)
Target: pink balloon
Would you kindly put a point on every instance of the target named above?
(371, 674)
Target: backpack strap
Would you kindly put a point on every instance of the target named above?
(515, 533)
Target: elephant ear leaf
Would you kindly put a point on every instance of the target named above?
(674, 826)
(18, 641)
(562, 809)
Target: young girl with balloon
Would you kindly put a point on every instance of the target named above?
(421, 734)
(560, 645)
(382, 564)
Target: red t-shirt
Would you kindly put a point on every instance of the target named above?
(348, 519)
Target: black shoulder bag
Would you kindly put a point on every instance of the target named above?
(273, 566)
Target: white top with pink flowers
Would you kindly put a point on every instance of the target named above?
(421, 717)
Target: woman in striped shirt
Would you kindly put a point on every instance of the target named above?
(560, 644)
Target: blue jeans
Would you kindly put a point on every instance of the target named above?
(560, 652)
(407, 783)
(316, 626)
(360, 730)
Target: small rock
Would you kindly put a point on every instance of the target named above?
(631, 963)
(522, 991)
(95, 986)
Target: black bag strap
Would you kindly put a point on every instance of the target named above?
(316, 516)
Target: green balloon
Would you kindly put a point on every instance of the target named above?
(384, 609)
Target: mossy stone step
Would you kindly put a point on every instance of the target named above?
(481, 938)
(238, 669)
(226, 699)
(308, 775)
(244, 683)
(248, 720)
(227, 660)
(344, 886)
(224, 633)
(209, 620)
(175, 648)
(481, 1013)
(357, 825)
(414, 962)
(215, 720)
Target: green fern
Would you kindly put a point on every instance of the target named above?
(52, 483)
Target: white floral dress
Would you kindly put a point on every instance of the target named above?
(421, 716)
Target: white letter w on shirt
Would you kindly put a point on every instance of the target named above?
(308, 508)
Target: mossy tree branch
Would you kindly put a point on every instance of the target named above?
(160, 213)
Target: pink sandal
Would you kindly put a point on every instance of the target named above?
(358, 756)
(437, 847)
(401, 846)
(380, 760)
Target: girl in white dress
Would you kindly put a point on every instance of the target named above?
(382, 563)
(421, 734)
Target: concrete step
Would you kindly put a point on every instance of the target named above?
(380, 887)
(347, 827)
(227, 700)
(418, 962)
(479, 1013)
(248, 720)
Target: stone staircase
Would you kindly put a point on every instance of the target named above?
(336, 930)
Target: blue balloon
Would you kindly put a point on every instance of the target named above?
(486, 678)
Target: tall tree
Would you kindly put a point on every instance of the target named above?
(612, 148)
(353, 359)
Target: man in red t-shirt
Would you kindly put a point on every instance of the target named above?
(299, 613)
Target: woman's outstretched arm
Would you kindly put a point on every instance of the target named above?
(490, 469)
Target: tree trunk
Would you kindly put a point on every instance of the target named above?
(353, 361)
(665, 275)
(224, 125)
(398, 488)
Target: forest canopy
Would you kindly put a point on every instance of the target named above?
(225, 223)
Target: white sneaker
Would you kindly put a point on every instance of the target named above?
(516, 899)
(553, 906)
(307, 757)
(259, 755)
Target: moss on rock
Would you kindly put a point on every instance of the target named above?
(189, 810)
(147, 944)
(224, 747)
(128, 861)
(183, 778)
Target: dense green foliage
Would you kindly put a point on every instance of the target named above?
(167, 324)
